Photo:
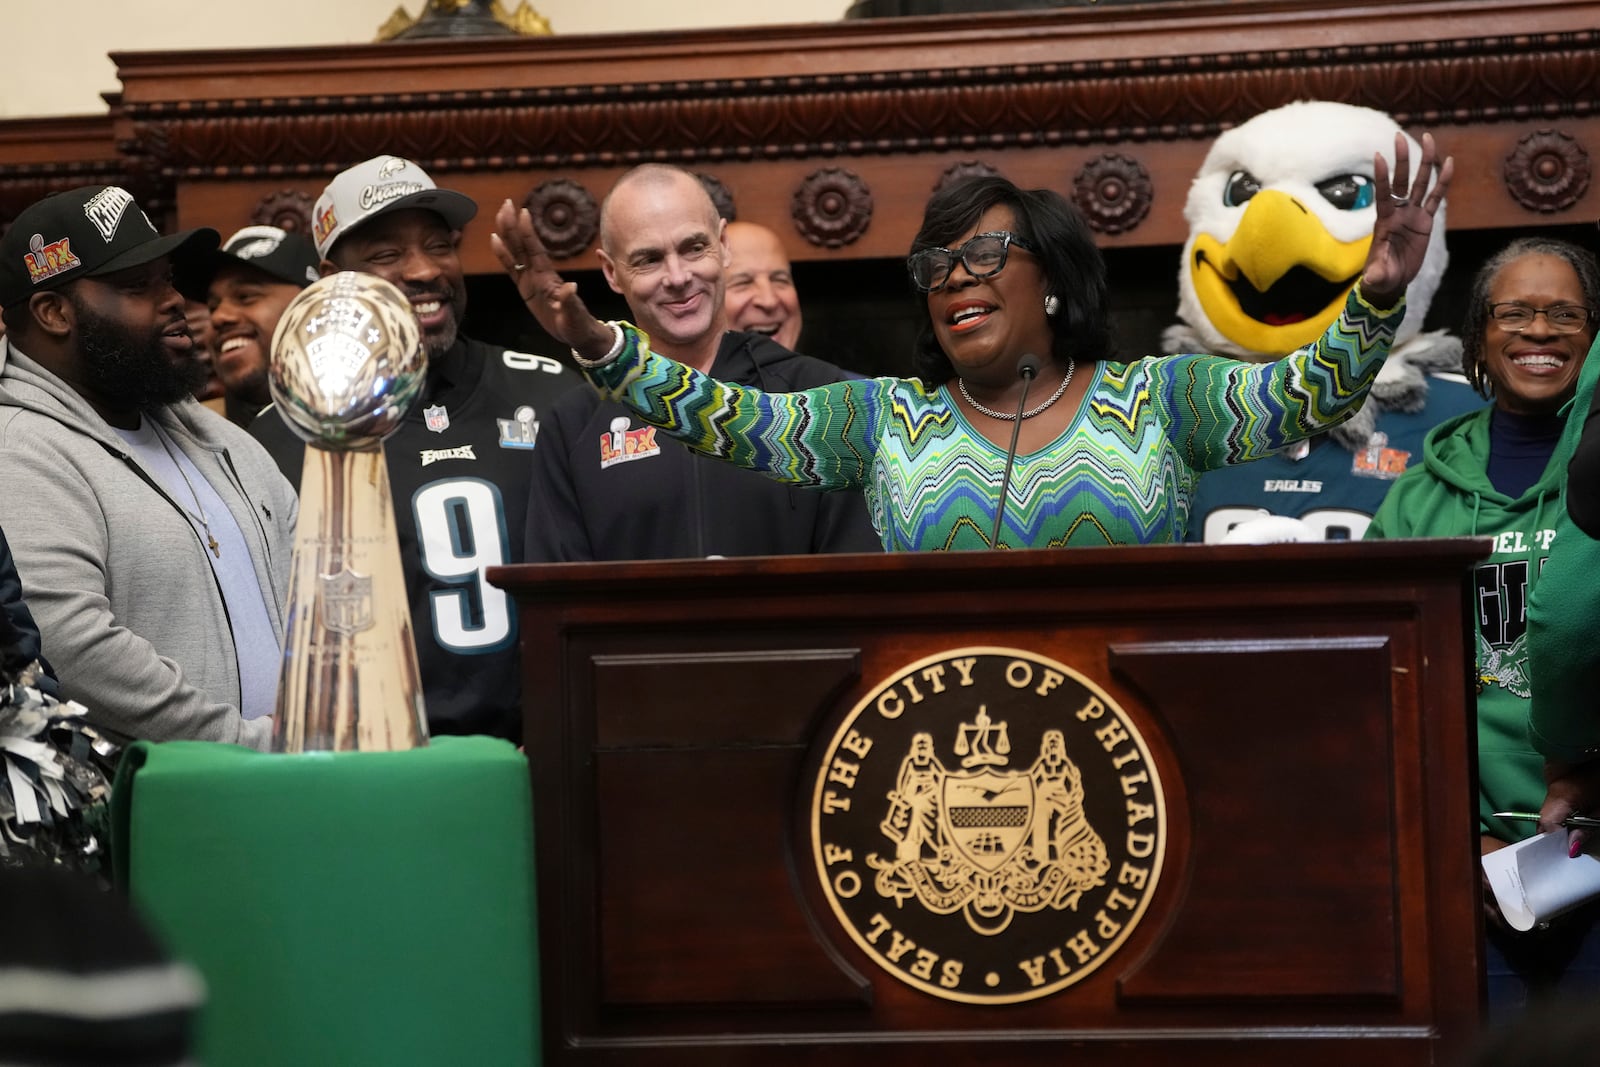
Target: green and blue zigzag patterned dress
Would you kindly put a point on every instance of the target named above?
(1121, 473)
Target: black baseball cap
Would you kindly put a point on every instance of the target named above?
(282, 255)
(81, 233)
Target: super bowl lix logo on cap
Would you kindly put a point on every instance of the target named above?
(45, 261)
(988, 826)
(326, 222)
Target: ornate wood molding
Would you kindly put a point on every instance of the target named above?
(1017, 105)
(43, 156)
(1045, 97)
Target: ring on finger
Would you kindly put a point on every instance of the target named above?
(519, 267)
(1399, 201)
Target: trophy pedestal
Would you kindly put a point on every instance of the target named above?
(350, 679)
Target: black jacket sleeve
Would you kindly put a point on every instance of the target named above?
(20, 644)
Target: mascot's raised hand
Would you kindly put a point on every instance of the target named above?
(1405, 219)
(553, 301)
(1281, 218)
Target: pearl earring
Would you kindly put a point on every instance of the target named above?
(1052, 304)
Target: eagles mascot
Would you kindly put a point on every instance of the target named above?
(1280, 217)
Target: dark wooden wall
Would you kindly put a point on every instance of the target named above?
(835, 134)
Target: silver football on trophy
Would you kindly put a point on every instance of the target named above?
(347, 361)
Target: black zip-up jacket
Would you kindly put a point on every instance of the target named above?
(608, 487)
(19, 634)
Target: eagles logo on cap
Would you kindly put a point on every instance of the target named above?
(282, 255)
(380, 184)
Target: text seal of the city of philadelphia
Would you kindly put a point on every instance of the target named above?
(988, 825)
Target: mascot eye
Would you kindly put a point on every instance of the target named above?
(1242, 185)
(1347, 192)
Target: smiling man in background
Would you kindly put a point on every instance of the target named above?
(246, 285)
(761, 295)
(607, 487)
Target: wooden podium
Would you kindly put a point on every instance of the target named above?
(1161, 805)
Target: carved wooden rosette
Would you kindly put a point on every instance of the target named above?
(832, 207)
(350, 678)
(287, 209)
(967, 168)
(1114, 193)
(1548, 171)
(565, 217)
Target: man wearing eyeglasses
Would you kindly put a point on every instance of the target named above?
(607, 486)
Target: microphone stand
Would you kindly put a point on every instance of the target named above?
(1028, 367)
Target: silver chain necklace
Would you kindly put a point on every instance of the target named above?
(200, 512)
(1011, 416)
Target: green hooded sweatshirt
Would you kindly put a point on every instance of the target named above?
(1449, 495)
(1564, 616)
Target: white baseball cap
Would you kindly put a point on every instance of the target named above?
(382, 183)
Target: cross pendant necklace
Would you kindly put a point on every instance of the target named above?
(200, 510)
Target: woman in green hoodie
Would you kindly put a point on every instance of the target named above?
(1529, 324)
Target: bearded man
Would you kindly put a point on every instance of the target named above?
(154, 535)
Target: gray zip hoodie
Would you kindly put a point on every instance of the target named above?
(116, 577)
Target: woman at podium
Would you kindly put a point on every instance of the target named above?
(1015, 387)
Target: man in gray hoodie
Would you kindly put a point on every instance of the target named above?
(155, 535)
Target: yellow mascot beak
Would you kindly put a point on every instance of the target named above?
(1280, 279)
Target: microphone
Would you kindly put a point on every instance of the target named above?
(1027, 370)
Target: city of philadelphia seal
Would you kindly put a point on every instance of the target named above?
(988, 825)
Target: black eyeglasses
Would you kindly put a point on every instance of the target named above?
(1513, 316)
(984, 256)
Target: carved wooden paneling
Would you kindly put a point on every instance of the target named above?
(1317, 910)
(43, 156)
(1042, 96)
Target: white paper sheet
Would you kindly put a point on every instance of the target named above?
(1535, 880)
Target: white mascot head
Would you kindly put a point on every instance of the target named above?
(1280, 219)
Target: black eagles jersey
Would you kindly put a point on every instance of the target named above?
(458, 469)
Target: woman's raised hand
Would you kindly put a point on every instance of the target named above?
(1405, 219)
(555, 303)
